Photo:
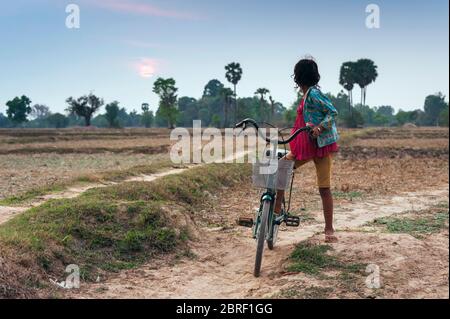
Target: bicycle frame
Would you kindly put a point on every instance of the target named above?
(270, 196)
(266, 212)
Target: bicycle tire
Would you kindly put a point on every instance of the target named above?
(271, 242)
(261, 238)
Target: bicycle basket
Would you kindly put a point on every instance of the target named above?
(276, 176)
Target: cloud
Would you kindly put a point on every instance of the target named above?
(140, 8)
(146, 67)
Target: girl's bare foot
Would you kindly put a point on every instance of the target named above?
(330, 237)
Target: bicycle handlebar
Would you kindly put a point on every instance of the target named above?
(243, 124)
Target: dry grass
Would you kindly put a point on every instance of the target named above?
(138, 145)
(416, 143)
(23, 173)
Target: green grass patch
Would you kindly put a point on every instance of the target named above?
(187, 188)
(31, 194)
(417, 225)
(312, 292)
(116, 227)
(347, 195)
(313, 259)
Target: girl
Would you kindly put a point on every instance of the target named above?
(317, 111)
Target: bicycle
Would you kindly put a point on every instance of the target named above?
(266, 224)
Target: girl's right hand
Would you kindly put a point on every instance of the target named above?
(289, 156)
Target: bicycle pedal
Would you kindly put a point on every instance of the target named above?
(245, 222)
(292, 221)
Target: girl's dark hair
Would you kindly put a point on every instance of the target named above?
(306, 73)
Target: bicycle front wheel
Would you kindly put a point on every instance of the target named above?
(272, 241)
(261, 238)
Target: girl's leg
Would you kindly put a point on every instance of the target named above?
(279, 202)
(327, 203)
(280, 193)
(323, 168)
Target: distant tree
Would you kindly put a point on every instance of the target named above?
(443, 117)
(134, 119)
(112, 114)
(262, 99)
(147, 117)
(215, 120)
(347, 78)
(365, 74)
(57, 120)
(166, 90)
(187, 111)
(227, 95)
(100, 121)
(380, 120)
(40, 111)
(386, 110)
(403, 117)
(85, 107)
(354, 119)
(213, 88)
(18, 109)
(4, 121)
(367, 113)
(291, 113)
(434, 105)
(234, 75)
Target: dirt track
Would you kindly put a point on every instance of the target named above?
(224, 259)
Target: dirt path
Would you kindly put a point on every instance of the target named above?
(224, 257)
(8, 212)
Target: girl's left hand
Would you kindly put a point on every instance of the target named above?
(317, 130)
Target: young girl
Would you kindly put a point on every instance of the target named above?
(317, 111)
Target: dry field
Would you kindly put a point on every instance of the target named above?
(31, 159)
(391, 197)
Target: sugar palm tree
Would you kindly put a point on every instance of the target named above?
(347, 79)
(234, 75)
(366, 73)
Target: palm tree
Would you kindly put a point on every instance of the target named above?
(227, 95)
(234, 75)
(347, 79)
(262, 93)
(272, 107)
(366, 73)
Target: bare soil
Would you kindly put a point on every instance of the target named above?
(224, 259)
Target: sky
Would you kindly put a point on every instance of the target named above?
(122, 46)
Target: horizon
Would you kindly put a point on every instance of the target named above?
(123, 46)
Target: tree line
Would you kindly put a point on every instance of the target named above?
(220, 106)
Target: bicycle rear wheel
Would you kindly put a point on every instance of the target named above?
(261, 238)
